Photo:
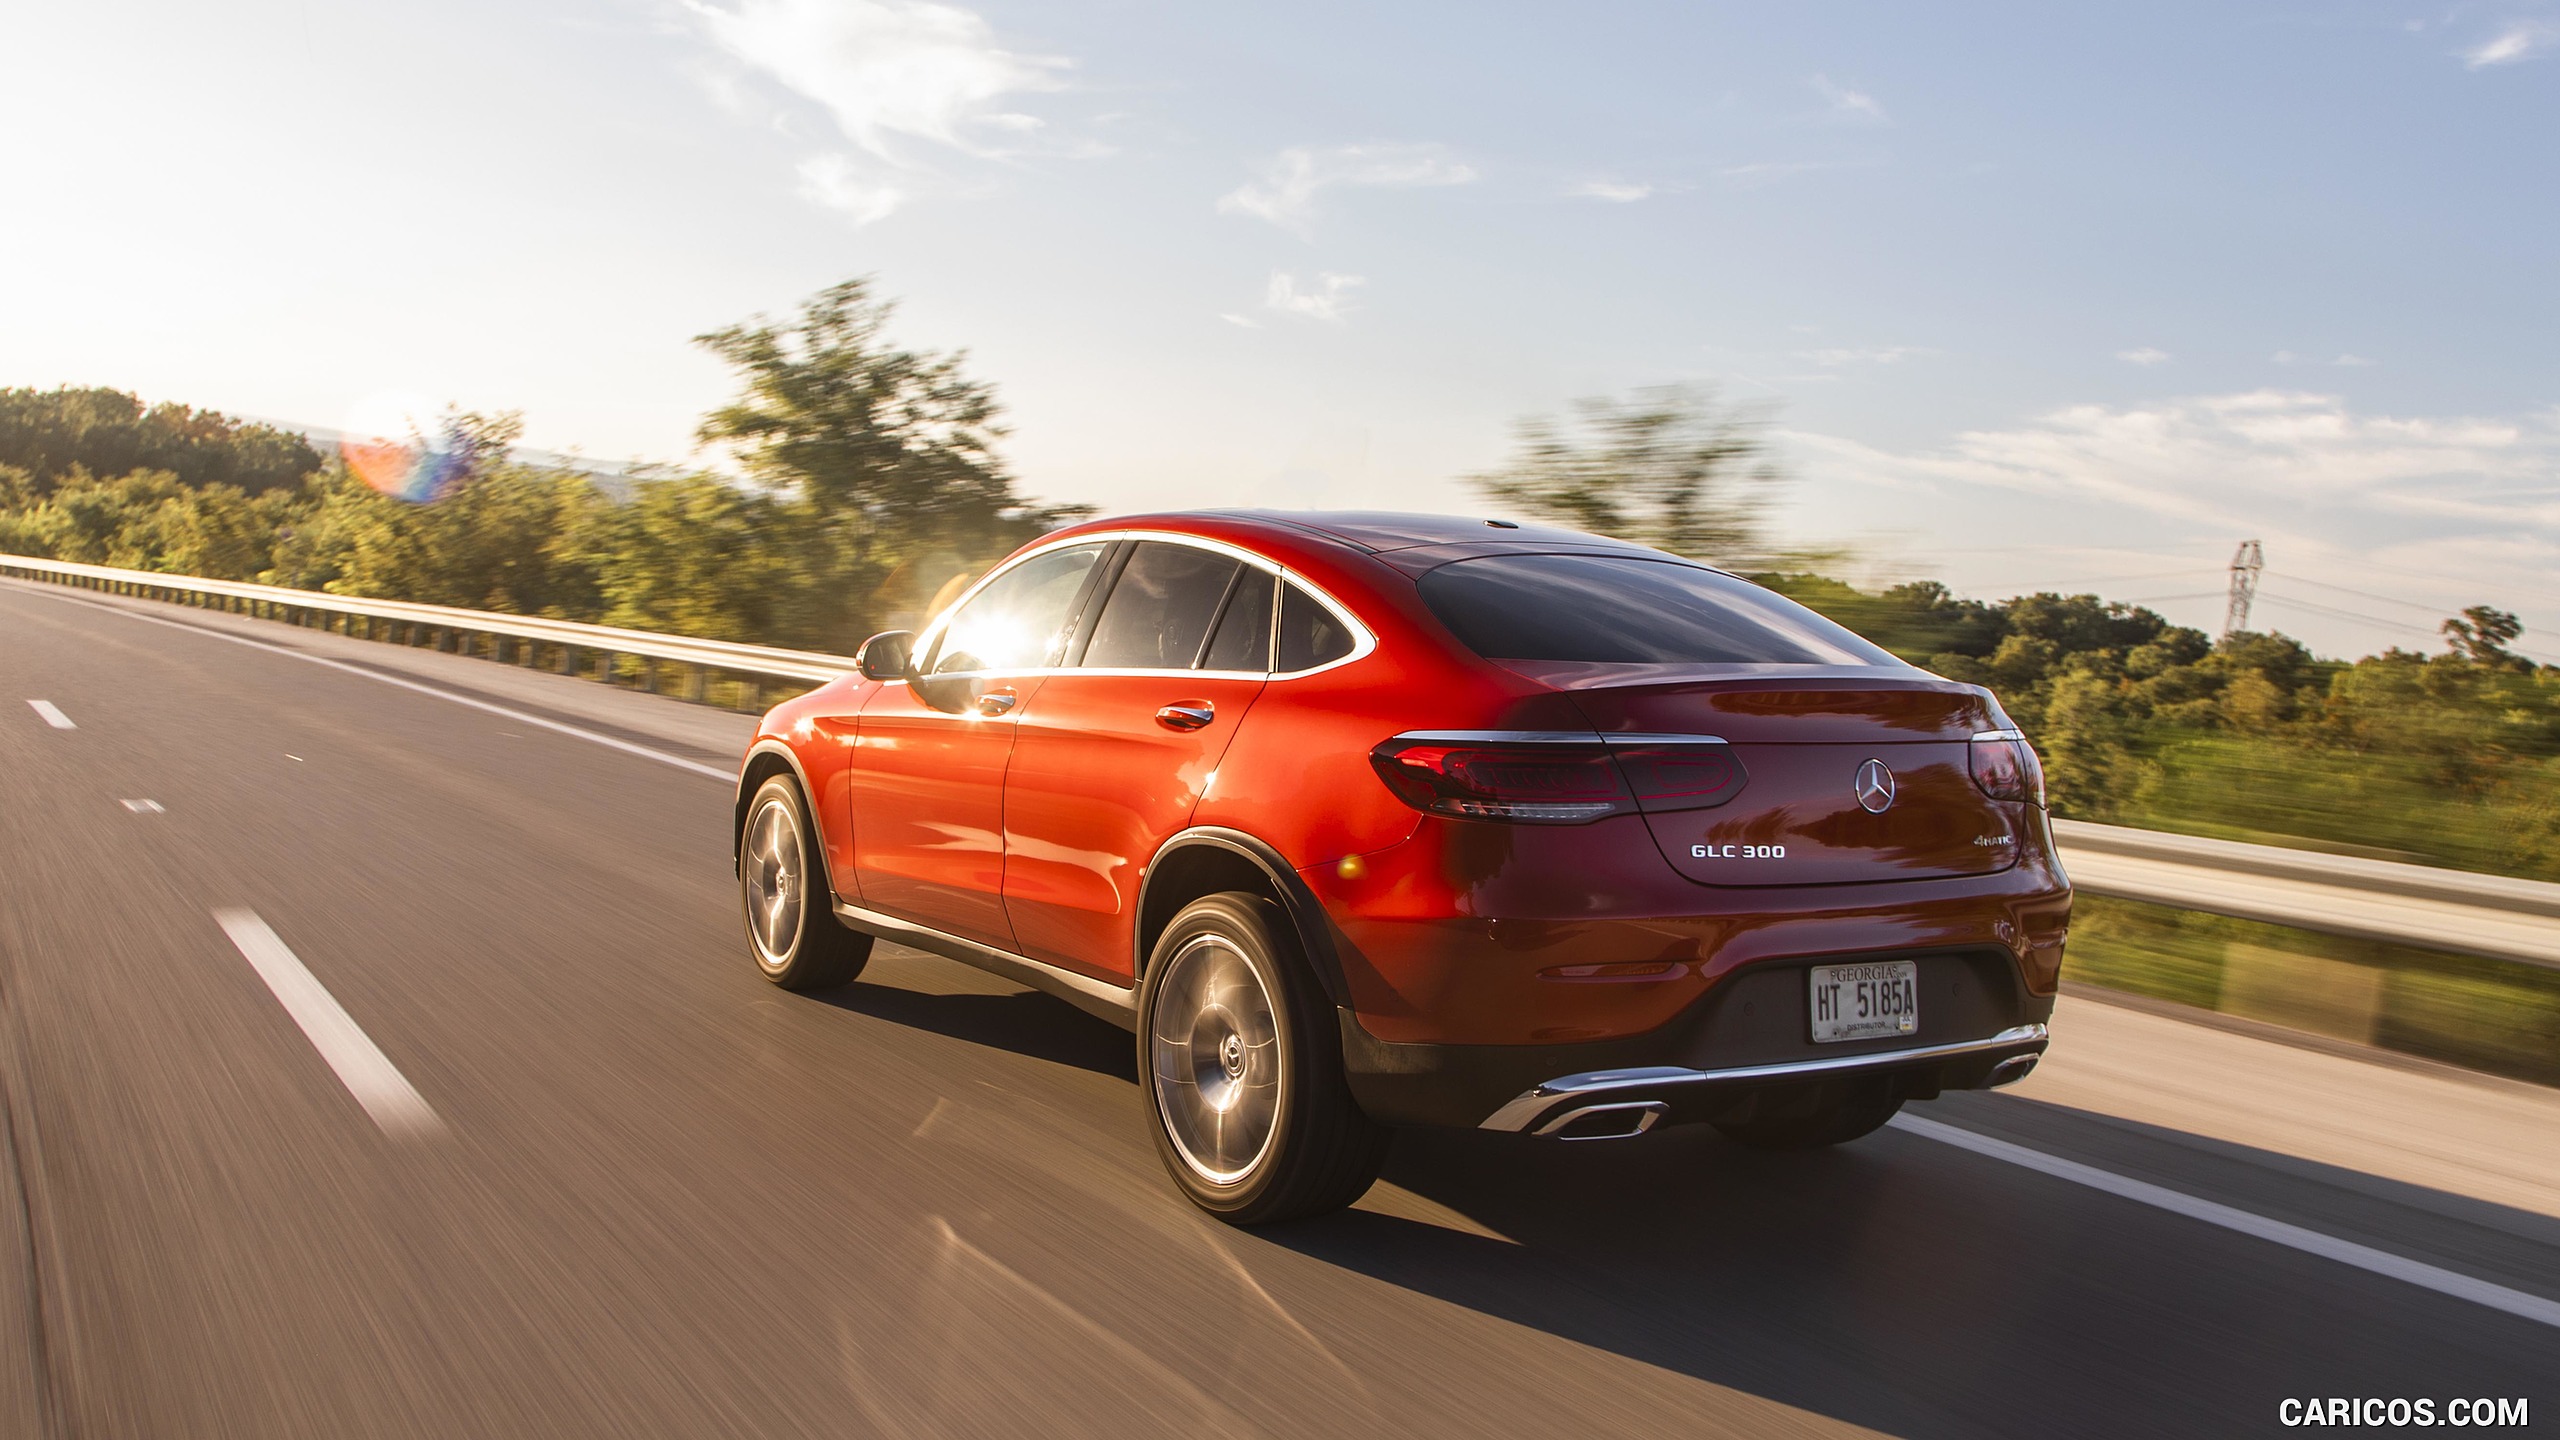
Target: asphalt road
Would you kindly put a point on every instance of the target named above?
(648, 1195)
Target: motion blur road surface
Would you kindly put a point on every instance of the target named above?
(657, 1197)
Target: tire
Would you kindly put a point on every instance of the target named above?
(1240, 1066)
(792, 931)
(1812, 1116)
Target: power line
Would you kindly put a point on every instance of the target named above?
(2401, 625)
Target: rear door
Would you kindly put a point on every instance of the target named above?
(1111, 757)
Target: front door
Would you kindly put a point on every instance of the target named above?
(926, 782)
(1114, 753)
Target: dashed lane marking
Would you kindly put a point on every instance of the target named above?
(53, 715)
(368, 1074)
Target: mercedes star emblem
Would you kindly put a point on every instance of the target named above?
(1874, 787)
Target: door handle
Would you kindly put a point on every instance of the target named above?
(1186, 714)
(997, 702)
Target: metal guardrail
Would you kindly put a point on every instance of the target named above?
(2489, 915)
(567, 646)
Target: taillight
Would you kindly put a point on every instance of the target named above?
(1556, 780)
(1678, 775)
(2005, 766)
(1553, 784)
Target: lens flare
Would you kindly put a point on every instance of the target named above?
(386, 443)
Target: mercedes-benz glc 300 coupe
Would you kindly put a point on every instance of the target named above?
(1364, 821)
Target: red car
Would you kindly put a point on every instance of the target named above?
(1363, 821)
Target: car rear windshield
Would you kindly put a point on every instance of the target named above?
(1610, 609)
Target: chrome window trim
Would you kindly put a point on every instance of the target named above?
(1999, 735)
(1363, 641)
(1519, 1113)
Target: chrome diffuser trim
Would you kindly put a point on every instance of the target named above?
(1094, 997)
(1520, 1113)
(1549, 737)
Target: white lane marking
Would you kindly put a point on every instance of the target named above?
(2310, 1242)
(145, 807)
(53, 715)
(368, 1074)
(725, 777)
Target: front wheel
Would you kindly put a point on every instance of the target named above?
(792, 930)
(1242, 1069)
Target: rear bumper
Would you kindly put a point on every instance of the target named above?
(1740, 1046)
(1673, 1092)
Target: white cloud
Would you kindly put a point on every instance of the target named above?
(896, 76)
(2145, 355)
(1848, 104)
(2235, 460)
(2350, 359)
(1620, 192)
(1330, 299)
(837, 182)
(2283, 357)
(1286, 193)
(1247, 321)
(2458, 510)
(2519, 41)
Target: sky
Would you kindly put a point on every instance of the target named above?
(2030, 296)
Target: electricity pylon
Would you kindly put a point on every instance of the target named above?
(2246, 562)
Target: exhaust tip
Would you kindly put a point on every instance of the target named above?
(1620, 1121)
(2008, 1072)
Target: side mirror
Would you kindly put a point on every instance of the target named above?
(889, 655)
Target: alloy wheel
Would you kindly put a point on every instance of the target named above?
(1216, 1053)
(771, 867)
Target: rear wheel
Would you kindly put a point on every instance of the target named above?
(1812, 1116)
(791, 927)
(1242, 1069)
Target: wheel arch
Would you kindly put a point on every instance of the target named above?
(766, 759)
(1208, 859)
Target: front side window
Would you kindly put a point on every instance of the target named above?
(1611, 609)
(1020, 621)
(1161, 607)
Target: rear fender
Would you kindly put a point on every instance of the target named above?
(1198, 857)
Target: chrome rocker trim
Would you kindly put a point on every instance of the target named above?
(1521, 1113)
(1095, 997)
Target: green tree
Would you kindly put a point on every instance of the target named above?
(2481, 635)
(49, 434)
(1663, 467)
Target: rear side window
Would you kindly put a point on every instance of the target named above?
(1620, 609)
(1310, 635)
(1160, 608)
(1243, 641)
(1020, 621)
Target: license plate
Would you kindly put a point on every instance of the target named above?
(1862, 1002)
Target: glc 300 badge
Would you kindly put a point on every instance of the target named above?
(1874, 787)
